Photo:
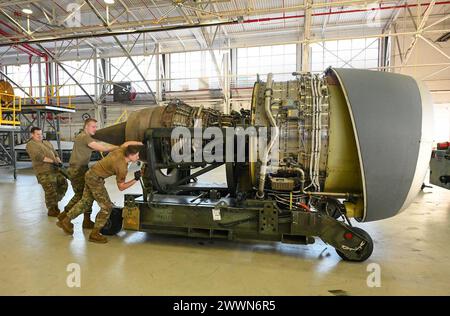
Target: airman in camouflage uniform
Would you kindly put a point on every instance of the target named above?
(116, 163)
(45, 162)
(78, 166)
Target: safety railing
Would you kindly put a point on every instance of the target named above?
(122, 118)
(10, 107)
(52, 96)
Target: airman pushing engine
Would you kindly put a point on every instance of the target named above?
(78, 166)
(46, 163)
(116, 163)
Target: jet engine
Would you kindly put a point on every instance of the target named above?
(309, 155)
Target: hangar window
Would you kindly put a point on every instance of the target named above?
(194, 70)
(82, 71)
(122, 69)
(281, 60)
(354, 53)
(20, 74)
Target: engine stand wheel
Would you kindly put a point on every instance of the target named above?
(359, 255)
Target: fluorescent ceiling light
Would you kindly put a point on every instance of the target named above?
(109, 1)
(27, 11)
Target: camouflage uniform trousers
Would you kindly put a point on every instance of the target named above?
(55, 187)
(94, 189)
(76, 177)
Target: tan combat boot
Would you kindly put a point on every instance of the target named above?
(53, 212)
(87, 223)
(95, 236)
(66, 225)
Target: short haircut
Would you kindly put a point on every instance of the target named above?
(132, 150)
(88, 121)
(34, 129)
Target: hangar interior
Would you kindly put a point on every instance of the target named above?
(62, 62)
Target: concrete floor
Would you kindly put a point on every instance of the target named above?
(412, 250)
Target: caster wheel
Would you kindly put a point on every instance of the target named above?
(359, 255)
(114, 223)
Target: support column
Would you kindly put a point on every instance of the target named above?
(100, 78)
(299, 55)
(50, 80)
(226, 82)
(96, 79)
(98, 82)
(166, 73)
(306, 37)
(158, 72)
(40, 79)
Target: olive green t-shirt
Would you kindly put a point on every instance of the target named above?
(81, 152)
(37, 152)
(113, 164)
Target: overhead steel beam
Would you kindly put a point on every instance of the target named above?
(209, 42)
(127, 53)
(161, 14)
(12, 3)
(434, 46)
(129, 25)
(412, 18)
(426, 15)
(295, 41)
(324, 24)
(435, 73)
(387, 27)
(221, 27)
(214, 59)
(394, 16)
(6, 51)
(225, 14)
(45, 12)
(189, 21)
(437, 22)
(134, 17)
(49, 54)
(70, 14)
(397, 41)
(244, 13)
(337, 3)
(420, 27)
(419, 12)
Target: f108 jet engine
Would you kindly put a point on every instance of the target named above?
(344, 144)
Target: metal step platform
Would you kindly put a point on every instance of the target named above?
(7, 147)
